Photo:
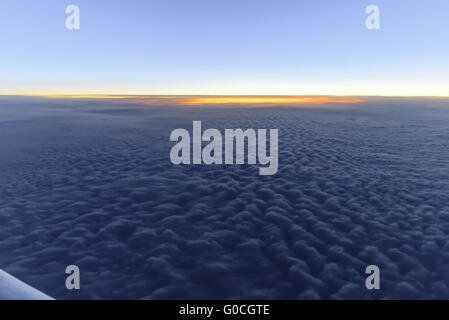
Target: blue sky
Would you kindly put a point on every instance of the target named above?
(289, 47)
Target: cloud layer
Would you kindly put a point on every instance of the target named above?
(91, 184)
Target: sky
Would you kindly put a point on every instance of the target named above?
(232, 47)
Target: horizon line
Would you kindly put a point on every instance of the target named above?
(226, 100)
(125, 95)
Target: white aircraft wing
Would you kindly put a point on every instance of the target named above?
(14, 289)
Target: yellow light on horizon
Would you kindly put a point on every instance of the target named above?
(186, 100)
(268, 100)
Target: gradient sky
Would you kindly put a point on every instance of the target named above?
(283, 47)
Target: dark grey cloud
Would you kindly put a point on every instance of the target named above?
(83, 183)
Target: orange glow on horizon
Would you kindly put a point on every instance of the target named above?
(256, 101)
(268, 100)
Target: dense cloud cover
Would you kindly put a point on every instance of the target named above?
(91, 184)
